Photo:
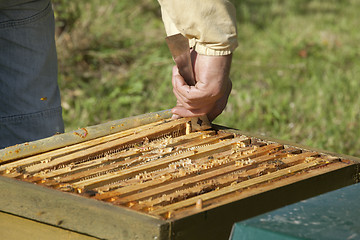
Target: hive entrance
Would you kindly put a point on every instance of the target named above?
(166, 169)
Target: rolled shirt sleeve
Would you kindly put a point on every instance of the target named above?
(210, 25)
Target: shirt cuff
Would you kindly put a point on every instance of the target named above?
(204, 49)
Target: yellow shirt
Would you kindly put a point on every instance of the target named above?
(210, 25)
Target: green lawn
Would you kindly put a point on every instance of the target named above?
(295, 73)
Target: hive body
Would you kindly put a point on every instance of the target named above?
(163, 180)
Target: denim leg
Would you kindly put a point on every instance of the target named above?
(30, 107)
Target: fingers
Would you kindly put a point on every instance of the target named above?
(190, 97)
(175, 116)
(192, 93)
(210, 94)
(211, 110)
(220, 104)
(183, 112)
(180, 110)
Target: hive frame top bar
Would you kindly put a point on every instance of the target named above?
(286, 143)
(80, 135)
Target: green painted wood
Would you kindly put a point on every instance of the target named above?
(251, 233)
(330, 216)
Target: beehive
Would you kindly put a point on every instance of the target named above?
(166, 180)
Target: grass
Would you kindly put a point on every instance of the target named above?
(295, 73)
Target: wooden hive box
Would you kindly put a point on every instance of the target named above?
(156, 179)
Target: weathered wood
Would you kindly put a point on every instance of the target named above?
(215, 221)
(190, 181)
(316, 175)
(138, 137)
(166, 176)
(18, 228)
(159, 163)
(132, 162)
(161, 177)
(117, 156)
(286, 143)
(62, 140)
(72, 148)
(76, 213)
(177, 187)
(235, 187)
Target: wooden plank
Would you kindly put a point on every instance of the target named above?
(291, 181)
(157, 164)
(125, 161)
(88, 166)
(164, 176)
(81, 135)
(215, 222)
(155, 182)
(193, 180)
(16, 228)
(286, 143)
(132, 162)
(128, 186)
(69, 149)
(217, 182)
(79, 214)
(118, 156)
(137, 137)
(235, 187)
(203, 141)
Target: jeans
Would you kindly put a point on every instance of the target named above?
(30, 106)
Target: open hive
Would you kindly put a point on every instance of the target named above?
(193, 182)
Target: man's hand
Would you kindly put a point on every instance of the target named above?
(210, 94)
